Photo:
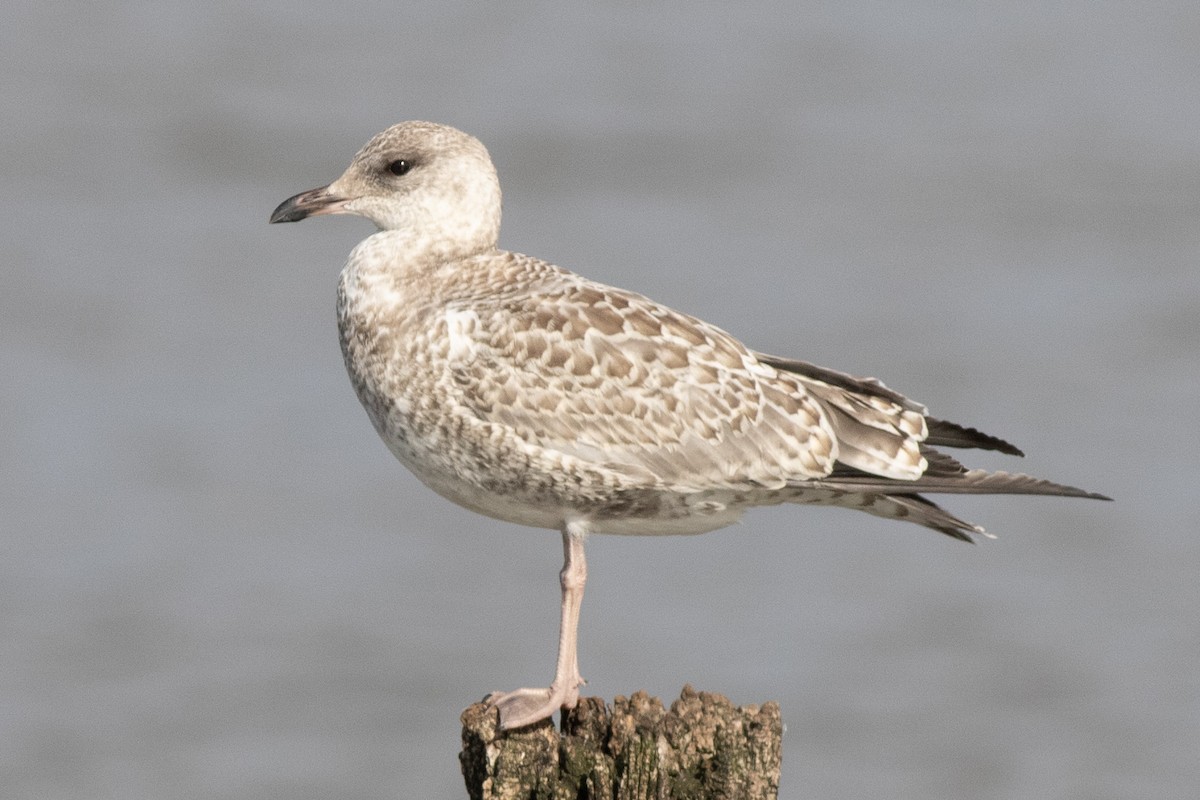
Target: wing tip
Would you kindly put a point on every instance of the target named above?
(951, 434)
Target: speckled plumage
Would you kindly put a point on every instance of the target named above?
(528, 393)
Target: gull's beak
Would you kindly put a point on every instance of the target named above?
(309, 204)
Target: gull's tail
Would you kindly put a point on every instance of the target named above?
(873, 424)
(903, 500)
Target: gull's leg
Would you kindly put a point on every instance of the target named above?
(526, 706)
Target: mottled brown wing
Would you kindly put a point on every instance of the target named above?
(613, 378)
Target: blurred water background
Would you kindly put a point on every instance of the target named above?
(216, 583)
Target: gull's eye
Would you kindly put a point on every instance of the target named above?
(400, 166)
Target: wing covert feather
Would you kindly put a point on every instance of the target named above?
(613, 378)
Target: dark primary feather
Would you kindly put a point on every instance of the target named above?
(901, 499)
(950, 434)
(972, 481)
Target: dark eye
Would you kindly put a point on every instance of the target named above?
(400, 166)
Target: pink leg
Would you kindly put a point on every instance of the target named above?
(525, 706)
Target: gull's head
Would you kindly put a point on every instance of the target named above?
(431, 181)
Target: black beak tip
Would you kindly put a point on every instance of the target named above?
(288, 211)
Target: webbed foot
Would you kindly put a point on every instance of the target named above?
(522, 707)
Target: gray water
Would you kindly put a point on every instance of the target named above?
(216, 583)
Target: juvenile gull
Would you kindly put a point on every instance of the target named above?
(527, 393)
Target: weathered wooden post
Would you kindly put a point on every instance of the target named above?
(702, 748)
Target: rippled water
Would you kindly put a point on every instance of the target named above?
(215, 581)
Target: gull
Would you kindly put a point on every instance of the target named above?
(525, 392)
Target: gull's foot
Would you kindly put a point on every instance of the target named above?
(522, 707)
